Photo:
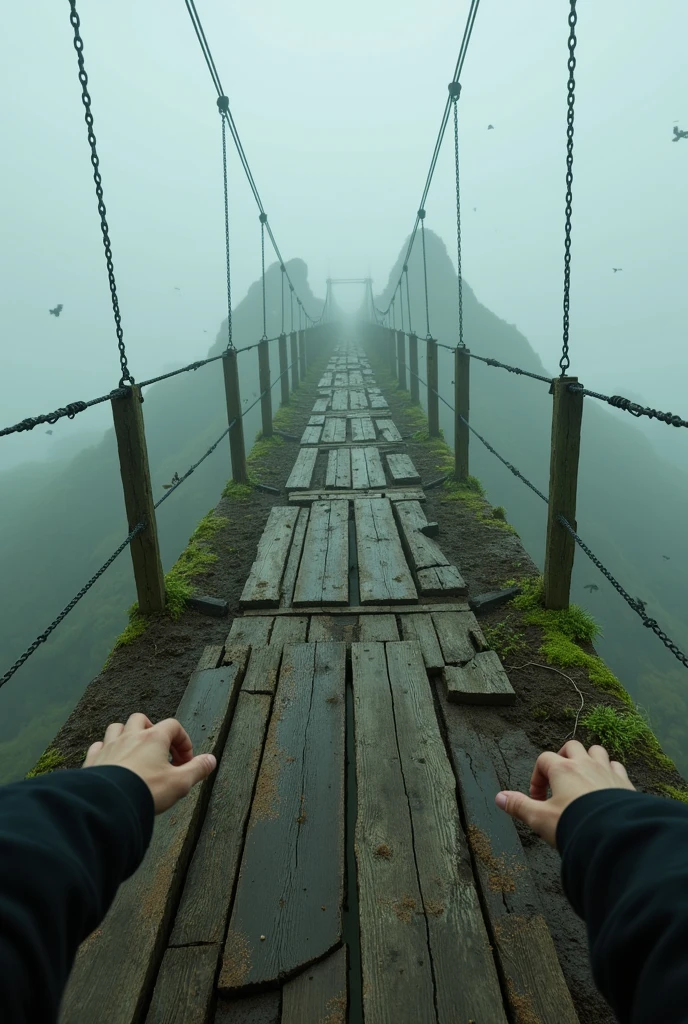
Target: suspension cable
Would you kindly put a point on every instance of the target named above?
(126, 377)
(408, 297)
(454, 93)
(282, 268)
(223, 107)
(291, 305)
(421, 214)
(565, 362)
(263, 221)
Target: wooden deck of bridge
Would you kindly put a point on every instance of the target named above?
(346, 861)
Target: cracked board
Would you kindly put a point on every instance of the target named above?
(459, 635)
(287, 910)
(387, 430)
(184, 989)
(366, 469)
(482, 680)
(306, 497)
(432, 571)
(425, 952)
(384, 576)
(319, 993)
(338, 469)
(311, 435)
(362, 429)
(340, 401)
(321, 404)
(302, 472)
(358, 400)
(334, 431)
(323, 576)
(402, 470)
(263, 586)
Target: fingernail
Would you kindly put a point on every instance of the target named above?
(500, 800)
(212, 760)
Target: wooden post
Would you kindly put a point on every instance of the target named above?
(567, 415)
(138, 500)
(284, 369)
(236, 434)
(264, 384)
(302, 353)
(294, 361)
(413, 368)
(462, 366)
(401, 360)
(391, 351)
(433, 400)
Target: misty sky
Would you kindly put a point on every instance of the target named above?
(338, 108)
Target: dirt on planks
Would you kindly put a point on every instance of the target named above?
(151, 673)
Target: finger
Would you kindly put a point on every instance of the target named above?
(91, 753)
(599, 754)
(520, 806)
(539, 783)
(573, 750)
(194, 771)
(619, 770)
(177, 739)
(137, 722)
(113, 730)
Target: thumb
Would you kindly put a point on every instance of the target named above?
(195, 770)
(520, 806)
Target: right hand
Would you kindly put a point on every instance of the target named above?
(571, 773)
(145, 749)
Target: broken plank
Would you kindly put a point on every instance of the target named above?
(441, 581)
(263, 668)
(376, 474)
(311, 435)
(316, 421)
(117, 965)
(262, 588)
(210, 658)
(378, 402)
(324, 574)
(362, 429)
(383, 573)
(397, 970)
(318, 994)
(287, 910)
(325, 381)
(334, 431)
(260, 1009)
(253, 632)
(321, 405)
(423, 552)
(294, 560)
(184, 989)
(466, 982)
(459, 635)
(340, 401)
(377, 628)
(302, 472)
(402, 470)
(481, 681)
(387, 430)
(421, 628)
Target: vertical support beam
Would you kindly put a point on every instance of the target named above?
(462, 368)
(264, 384)
(284, 369)
(567, 416)
(236, 434)
(413, 368)
(302, 353)
(433, 400)
(391, 351)
(138, 500)
(401, 360)
(294, 352)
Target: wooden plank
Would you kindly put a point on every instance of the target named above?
(340, 401)
(321, 405)
(262, 588)
(324, 574)
(358, 400)
(459, 635)
(341, 379)
(302, 472)
(359, 469)
(342, 628)
(294, 560)
(362, 429)
(441, 581)
(261, 1009)
(397, 973)
(319, 994)
(356, 414)
(334, 431)
(316, 420)
(117, 965)
(387, 430)
(481, 681)
(421, 628)
(311, 435)
(184, 989)
(306, 497)
(378, 402)
(210, 658)
(383, 573)
(528, 960)
(253, 632)
(339, 468)
(326, 380)
(466, 982)
(263, 669)
(289, 630)
(382, 609)
(331, 474)
(376, 474)
(423, 552)
(287, 910)
(402, 470)
(377, 627)
(355, 378)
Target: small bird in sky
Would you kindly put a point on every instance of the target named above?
(205, 332)
(175, 480)
(490, 127)
(591, 587)
(177, 288)
(617, 269)
(48, 431)
(666, 557)
(678, 134)
(474, 209)
(58, 309)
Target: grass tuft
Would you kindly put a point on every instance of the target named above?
(625, 732)
(49, 760)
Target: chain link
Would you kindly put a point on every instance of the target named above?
(565, 362)
(223, 107)
(458, 219)
(421, 214)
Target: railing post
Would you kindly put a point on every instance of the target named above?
(391, 351)
(567, 415)
(433, 400)
(462, 368)
(294, 361)
(138, 500)
(264, 384)
(413, 368)
(401, 360)
(236, 434)
(302, 354)
(284, 369)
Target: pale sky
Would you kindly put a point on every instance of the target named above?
(338, 107)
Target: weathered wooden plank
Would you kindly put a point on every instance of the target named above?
(334, 431)
(253, 632)
(378, 402)
(441, 581)
(117, 965)
(358, 400)
(459, 635)
(263, 669)
(423, 552)
(261, 1009)
(318, 994)
(339, 468)
(387, 430)
(381, 609)
(289, 630)
(324, 574)
(326, 380)
(317, 420)
(376, 473)
(355, 378)
(362, 429)
(288, 909)
(262, 588)
(311, 435)
(210, 658)
(340, 401)
(359, 469)
(466, 982)
(528, 960)
(377, 628)
(184, 989)
(342, 628)
(294, 560)
(321, 405)
(341, 379)
(382, 569)
(397, 972)
(402, 470)
(355, 414)
(481, 681)
(307, 497)
(302, 473)
(421, 628)
(373, 390)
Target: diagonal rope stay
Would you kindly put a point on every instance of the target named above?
(454, 93)
(421, 214)
(282, 269)
(263, 221)
(223, 106)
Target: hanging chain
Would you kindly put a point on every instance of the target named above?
(263, 219)
(408, 298)
(421, 214)
(455, 92)
(223, 107)
(88, 117)
(565, 362)
(283, 269)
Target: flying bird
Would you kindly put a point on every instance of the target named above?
(177, 288)
(474, 209)
(591, 587)
(678, 134)
(666, 557)
(490, 127)
(175, 480)
(50, 432)
(58, 309)
(617, 269)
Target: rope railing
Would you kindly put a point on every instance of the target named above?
(634, 408)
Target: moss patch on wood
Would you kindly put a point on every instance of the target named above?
(49, 760)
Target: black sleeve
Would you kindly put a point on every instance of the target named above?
(67, 840)
(625, 872)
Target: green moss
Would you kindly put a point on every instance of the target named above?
(263, 447)
(49, 760)
(504, 638)
(471, 494)
(539, 713)
(288, 417)
(499, 512)
(625, 732)
(674, 792)
(236, 492)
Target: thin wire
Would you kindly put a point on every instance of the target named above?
(230, 339)
(458, 220)
(282, 277)
(262, 264)
(425, 276)
(291, 307)
(408, 297)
